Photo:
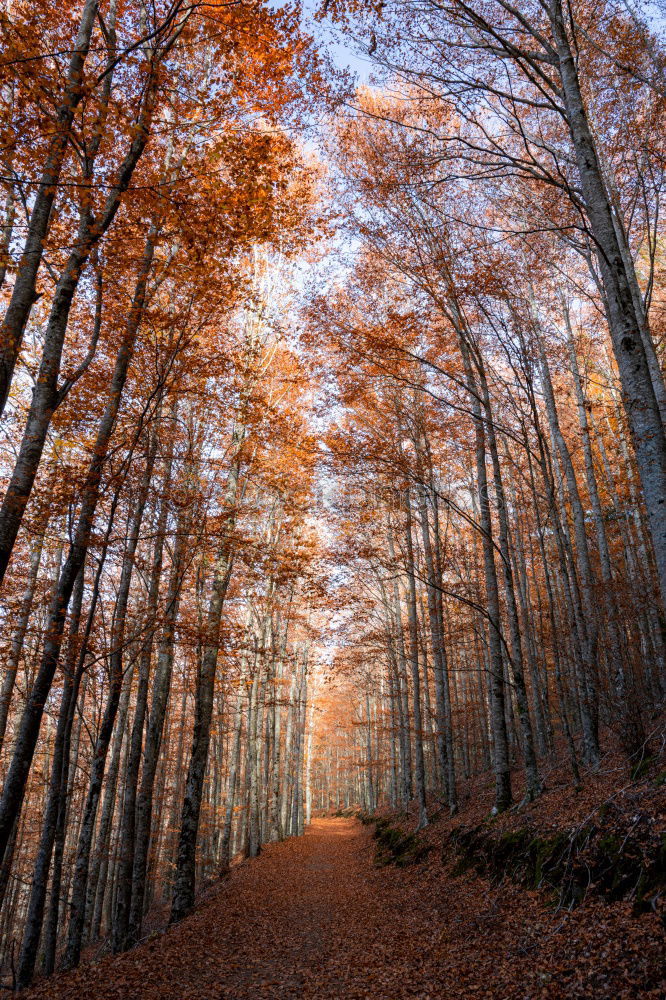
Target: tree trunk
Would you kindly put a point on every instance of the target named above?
(46, 396)
(161, 690)
(503, 794)
(24, 293)
(641, 404)
(440, 665)
(183, 897)
(532, 780)
(17, 776)
(18, 637)
(419, 769)
(35, 916)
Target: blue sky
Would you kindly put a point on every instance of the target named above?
(340, 48)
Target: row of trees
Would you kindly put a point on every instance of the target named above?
(156, 551)
(478, 398)
(498, 361)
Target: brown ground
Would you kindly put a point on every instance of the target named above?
(314, 918)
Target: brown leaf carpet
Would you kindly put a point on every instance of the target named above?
(314, 918)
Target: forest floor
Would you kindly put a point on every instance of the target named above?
(315, 917)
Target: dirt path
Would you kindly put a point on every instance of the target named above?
(313, 918)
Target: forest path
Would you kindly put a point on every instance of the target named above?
(314, 918)
(301, 920)
(291, 923)
(310, 917)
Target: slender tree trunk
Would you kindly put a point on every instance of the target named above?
(17, 776)
(128, 828)
(46, 396)
(406, 789)
(503, 794)
(232, 782)
(100, 865)
(532, 780)
(24, 293)
(275, 822)
(441, 673)
(419, 770)
(160, 697)
(641, 404)
(19, 634)
(183, 898)
(82, 863)
(288, 777)
(35, 916)
(252, 848)
(590, 627)
(632, 735)
(439, 600)
(68, 770)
